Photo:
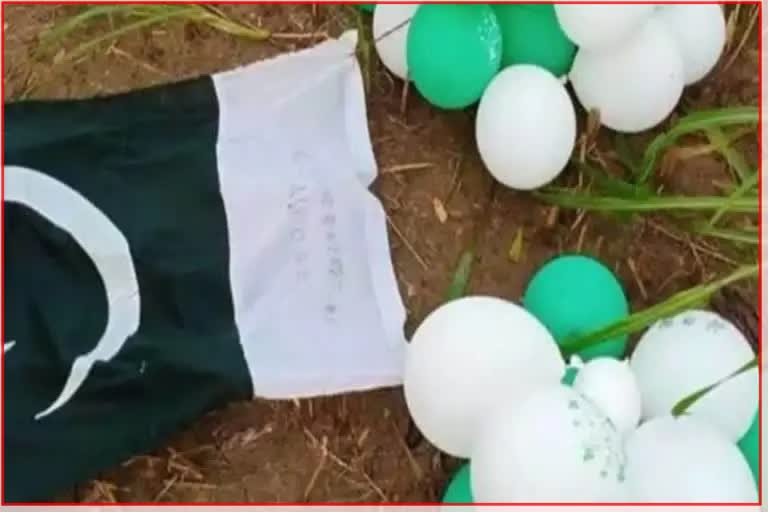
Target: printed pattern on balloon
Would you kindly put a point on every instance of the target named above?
(714, 325)
(601, 442)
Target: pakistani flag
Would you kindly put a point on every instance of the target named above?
(175, 248)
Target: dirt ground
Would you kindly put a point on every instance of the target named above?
(355, 448)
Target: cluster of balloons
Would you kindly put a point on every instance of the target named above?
(485, 380)
(630, 62)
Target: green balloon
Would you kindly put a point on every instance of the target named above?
(366, 7)
(570, 376)
(459, 490)
(454, 51)
(575, 295)
(750, 447)
(531, 34)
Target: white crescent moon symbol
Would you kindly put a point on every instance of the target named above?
(103, 242)
(8, 346)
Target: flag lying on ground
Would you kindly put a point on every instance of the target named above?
(175, 248)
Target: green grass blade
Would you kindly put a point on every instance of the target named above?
(460, 280)
(679, 302)
(78, 21)
(612, 185)
(686, 403)
(137, 25)
(732, 235)
(236, 29)
(748, 183)
(365, 48)
(218, 20)
(145, 16)
(693, 123)
(627, 158)
(567, 199)
(735, 159)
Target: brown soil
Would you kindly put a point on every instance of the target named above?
(352, 448)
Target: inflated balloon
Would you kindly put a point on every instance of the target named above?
(575, 295)
(681, 355)
(750, 447)
(555, 446)
(634, 85)
(468, 356)
(699, 30)
(750, 443)
(611, 386)
(459, 490)
(531, 34)
(602, 25)
(454, 50)
(764, 445)
(525, 127)
(676, 460)
(391, 24)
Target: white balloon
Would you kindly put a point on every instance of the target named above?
(556, 446)
(681, 355)
(469, 355)
(699, 30)
(612, 387)
(634, 85)
(596, 26)
(390, 37)
(525, 127)
(764, 438)
(679, 460)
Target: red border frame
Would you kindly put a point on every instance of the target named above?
(3, 3)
